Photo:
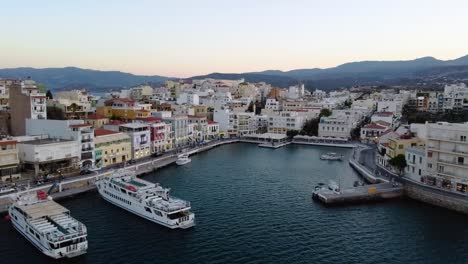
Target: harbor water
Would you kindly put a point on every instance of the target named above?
(253, 205)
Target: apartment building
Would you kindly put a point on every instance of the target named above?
(97, 120)
(284, 121)
(112, 147)
(29, 103)
(179, 128)
(139, 137)
(447, 155)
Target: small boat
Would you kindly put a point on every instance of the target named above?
(331, 156)
(333, 186)
(358, 183)
(183, 159)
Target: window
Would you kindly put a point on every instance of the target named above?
(420, 160)
(400, 146)
(463, 138)
(461, 160)
(419, 172)
(429, 154)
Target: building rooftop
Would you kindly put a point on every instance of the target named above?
(80, 125)
(134, 125)
(46, 141)
(8, 142)
(96, 116)
(103, 132)
(116, 122)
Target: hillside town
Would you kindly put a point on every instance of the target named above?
(73, 132)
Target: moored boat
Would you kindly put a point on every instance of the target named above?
(146, 199)
(48, 226)
(183, 159)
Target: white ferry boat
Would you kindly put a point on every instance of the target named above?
(183, 159)
(48, 226)
(146, 199)
(331, 156)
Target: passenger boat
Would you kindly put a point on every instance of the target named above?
(48, 226)
(183, 159)
(146, 199)
(331, 156)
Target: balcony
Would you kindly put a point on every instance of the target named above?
(83, 140)
(86, 149)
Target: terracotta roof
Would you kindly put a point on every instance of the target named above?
(103, 132)
(374, 126)
(80, 125)
(96, 116)
(211, 122)
(116, 122)
(384, 114)
(194, 116)
(149, 119)
(8, 142)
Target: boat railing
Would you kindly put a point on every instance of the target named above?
(54, 237)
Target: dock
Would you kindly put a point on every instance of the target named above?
(373, 192)
(273, 146)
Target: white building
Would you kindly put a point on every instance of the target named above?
(188, 98)
(447, 155)
(454, 96)
(179, 127)
(76, 130)
(415, 163)
(49, 156)
(285, 121)
(139, 137)
(340, 123)
(273, 104)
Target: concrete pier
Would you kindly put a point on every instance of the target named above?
(373, 192)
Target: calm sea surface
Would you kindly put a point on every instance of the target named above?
(254, 205)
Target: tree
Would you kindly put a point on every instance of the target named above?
(398, 162)
(292, 133)
(250, 108)
(310, 127)
(49, 95)
(348, 103)
(55, 113)
(325, 112)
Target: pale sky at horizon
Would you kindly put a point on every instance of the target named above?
(186, 38)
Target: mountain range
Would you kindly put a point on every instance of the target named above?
(345, 75)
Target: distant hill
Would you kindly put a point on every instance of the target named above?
(413, 72)
(363, 73)
(72, 77)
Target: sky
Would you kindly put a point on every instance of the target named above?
(181, 38)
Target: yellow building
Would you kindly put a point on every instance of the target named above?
(97, 120)
(198, 110)
(111, 147)
(397, 146)
(123, 108)
(104, 111)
